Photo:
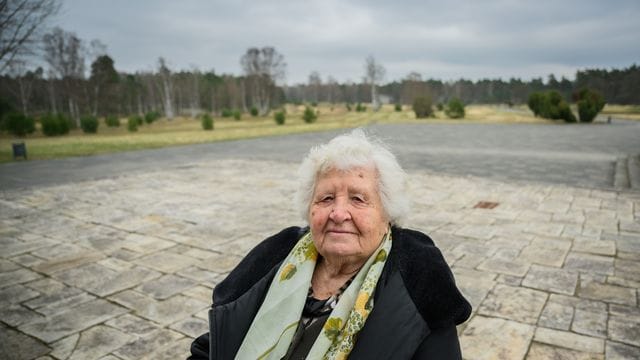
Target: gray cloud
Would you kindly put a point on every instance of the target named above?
(439, 39)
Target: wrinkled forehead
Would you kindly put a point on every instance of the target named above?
(362, 170)
(357, 179)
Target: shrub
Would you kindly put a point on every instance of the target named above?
(590, 103)
(53, 125)
(535, 103)
(550, 105)
(309, 115)
(19, 124)
(254, 111)
(237, 115)
(226, 113)
(112, 120)
(207, 122)
(439, 106)
(5, 109)
(455, 109)
(422, 107)
(89, 124)
(348, 107)
(133, 122)
(398, 107)
(151, 116)
(279, 117)
(360, 108)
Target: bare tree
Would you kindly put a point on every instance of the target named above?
(333, 90)
(20, 23)
(374, 73)
(195, 95)
(25, 79)
(412, 87)
(315, 86)
(167, 88)
(64, 52)
(263, 68)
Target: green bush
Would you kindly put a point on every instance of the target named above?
(133, 122)
(398, 107)
(89, 124)
(422, 107)
(19, 124)
(237, 114)
(279, 117)
(536, 103)
(53, 125)
(455, 109)
(550, 105)
(207, 122)
(590, 103)
(151, 116)
(360, 108)
(309, 116)
(112, 120)
(226, 113)
(439, 106)
(254, 111)
(5, 109)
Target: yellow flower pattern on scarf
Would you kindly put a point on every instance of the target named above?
(287, 272)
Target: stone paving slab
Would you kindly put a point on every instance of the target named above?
(123, 268)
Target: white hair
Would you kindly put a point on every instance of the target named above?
(349, 151)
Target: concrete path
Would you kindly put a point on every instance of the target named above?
(595, 155)
(111, 263)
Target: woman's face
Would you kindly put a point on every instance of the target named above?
(346, 215)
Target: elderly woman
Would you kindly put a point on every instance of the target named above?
(353, 284)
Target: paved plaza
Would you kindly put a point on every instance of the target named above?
(117, 258)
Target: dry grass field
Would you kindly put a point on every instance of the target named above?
(628, 112)
(184, 130)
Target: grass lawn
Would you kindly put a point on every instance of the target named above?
(628, 112)
(182, 131)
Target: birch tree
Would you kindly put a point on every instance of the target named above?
(315, 85)
(262, 68)
(374, 74)
(25, 80)
(64, 52)
(166, 87)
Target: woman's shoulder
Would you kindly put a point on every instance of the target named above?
(257, 264)
(428, 279)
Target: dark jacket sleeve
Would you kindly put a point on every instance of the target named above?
(441, 344)
(200, 348)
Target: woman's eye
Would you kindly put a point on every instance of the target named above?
(357, 199)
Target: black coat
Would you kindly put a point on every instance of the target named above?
(416, 303)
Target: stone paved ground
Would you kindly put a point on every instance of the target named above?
(123, 268)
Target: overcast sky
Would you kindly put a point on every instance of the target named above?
(445, 39)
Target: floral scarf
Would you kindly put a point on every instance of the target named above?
(276, 321)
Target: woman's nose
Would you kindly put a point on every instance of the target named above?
(339, 213)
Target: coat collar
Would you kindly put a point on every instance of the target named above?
(424, 272)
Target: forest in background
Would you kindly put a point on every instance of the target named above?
(106, 91)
